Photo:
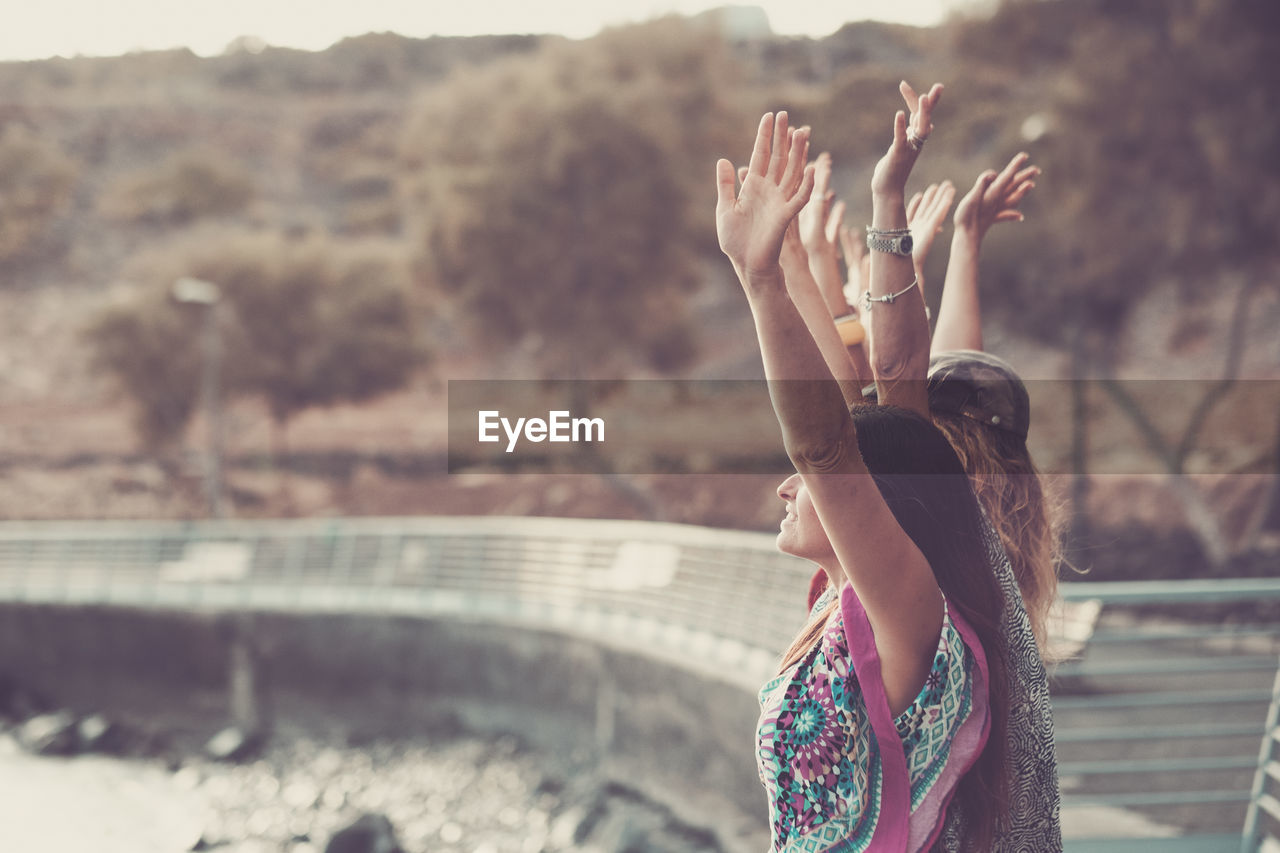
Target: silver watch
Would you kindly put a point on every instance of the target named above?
(893, 243)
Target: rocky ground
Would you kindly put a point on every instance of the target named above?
(466, 793)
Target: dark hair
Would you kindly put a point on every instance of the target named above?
(1009, 488)
(927, 490)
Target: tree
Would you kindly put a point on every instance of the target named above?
(146, 343)
(579, 211)
(304, 324)
(190, 185)
(36, 180)
(1164, 126)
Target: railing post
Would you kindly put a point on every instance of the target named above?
(1249, 838)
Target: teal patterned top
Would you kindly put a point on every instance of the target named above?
(833, 783)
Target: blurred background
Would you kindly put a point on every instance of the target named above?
(391, 212)
(234, 284)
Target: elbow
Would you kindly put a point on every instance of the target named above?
(896, 364)
(825, 455)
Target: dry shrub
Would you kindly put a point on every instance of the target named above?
(585, 200)
(36, 180)
(190, 185)
(303, 323)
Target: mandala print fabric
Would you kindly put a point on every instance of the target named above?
(820, 758)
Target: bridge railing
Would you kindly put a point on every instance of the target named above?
(1158, 718)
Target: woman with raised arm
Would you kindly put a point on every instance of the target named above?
(891, 704)
(976, 399)
(995, 197)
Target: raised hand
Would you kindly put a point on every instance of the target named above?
(819, 219)
(751, 222)
(909, 135)
(995, 197)
(819, 226)
(926, 212)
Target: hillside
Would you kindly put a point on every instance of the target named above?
(112, 170)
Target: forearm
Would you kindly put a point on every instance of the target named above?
(819, 324)
(861, 364)
(960, 316)
(811, 409)
(899, 330)
(826, 273)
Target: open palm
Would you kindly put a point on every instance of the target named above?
(751, 222)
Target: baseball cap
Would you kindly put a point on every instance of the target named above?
(980, 386)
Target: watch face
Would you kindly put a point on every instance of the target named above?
(904, 246)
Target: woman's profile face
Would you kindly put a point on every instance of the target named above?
(801, 533)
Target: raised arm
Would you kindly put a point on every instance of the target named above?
(899, 327)
(806, 295)
(857, 274)
(817, 227)
(888, 573)
(994, 198)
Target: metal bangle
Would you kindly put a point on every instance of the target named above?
(867, 298)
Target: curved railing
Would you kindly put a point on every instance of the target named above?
(1158, 720)
(706, 598)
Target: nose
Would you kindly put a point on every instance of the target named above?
(787, 488)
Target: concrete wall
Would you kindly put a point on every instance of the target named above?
(684, 739)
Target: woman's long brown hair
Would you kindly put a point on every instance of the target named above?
(928, 491)
(1010, 490)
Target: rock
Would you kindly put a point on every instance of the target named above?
(50, 734)
(95, 733)
(371, 833)
(234, 744)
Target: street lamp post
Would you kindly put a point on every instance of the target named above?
(198, 292)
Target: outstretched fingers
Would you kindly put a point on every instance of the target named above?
(822, 176)
(1005, 179)
(726, 188)
(914, 205)
(779, 149)
(851, 247)
(801, 197)
(900, 129)
(983, 182)
(1026, 174)
(909, 95)
(797, 157)
(1015, 197)
(759, 163)
(835, 220)
(921, 107)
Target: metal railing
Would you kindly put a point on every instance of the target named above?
(1158, 719)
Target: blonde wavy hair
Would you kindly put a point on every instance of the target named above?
(1011, 492)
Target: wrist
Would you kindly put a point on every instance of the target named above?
(762, 283)
(967, 236)
(888, 212)
(793, 256)
(889, 196)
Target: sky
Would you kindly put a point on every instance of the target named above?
(47, 28)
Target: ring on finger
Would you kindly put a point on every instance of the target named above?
(914, 140)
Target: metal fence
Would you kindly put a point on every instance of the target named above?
(1159, 717)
